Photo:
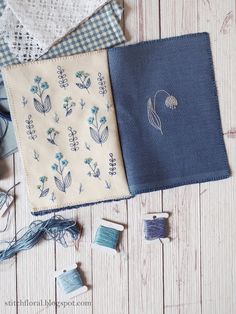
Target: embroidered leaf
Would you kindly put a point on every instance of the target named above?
(97, 173)
(60, 185)
(95, 135)
(68, 112)
(47, 104)
(67, 180)
(87, 82)
(104, 135)
(153, 117)
(38, 106)
(44, 193)
(81, 86)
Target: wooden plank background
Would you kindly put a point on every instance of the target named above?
(196, 272)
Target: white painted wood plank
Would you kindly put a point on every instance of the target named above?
(8, 268)
(34, 282)
(110, 272)
(145, 260)
(79, 252)
(182, 256)
(218, 209)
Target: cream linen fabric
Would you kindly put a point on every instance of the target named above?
(65, 169)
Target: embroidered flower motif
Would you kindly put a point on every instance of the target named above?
(64, 181)
(41, 187)
(34, 89)
(88, 161)
(94, 170)
(73, 140)
(37, 79)
(95, 110)
(43, 104)
(52, 135)
(171, 102)
(30, 130)
(84, 80)
(103, 120)
(153, 118)
(90, 120)
(68, 105)
(54, 167)
(62, 77)
(98, 135)
(44, 85)
(59, 156)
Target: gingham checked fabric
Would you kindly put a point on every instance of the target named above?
(100, 31)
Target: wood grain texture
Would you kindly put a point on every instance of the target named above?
(196, 272)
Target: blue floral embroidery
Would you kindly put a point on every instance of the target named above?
(64, 181)
(30, 131)
(68, 105)
(85, 81)
(94, 170)
(41, 187)
(52, 133)
(153, 118)
(43, 105)
(98, 135)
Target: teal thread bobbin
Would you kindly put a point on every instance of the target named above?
(70, 282)
(107, 236)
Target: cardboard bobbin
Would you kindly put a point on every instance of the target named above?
(154, 216)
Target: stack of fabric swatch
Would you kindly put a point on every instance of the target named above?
(112, 123)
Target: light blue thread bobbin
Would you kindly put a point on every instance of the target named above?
(70, 282)
(107, 235)
(156, 227)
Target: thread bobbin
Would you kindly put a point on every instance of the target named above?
(112, 225)
(76, 292)
(154, 216)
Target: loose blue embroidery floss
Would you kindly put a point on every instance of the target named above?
(70, 282)
(107, 235)
(156, 227)
(54, 228)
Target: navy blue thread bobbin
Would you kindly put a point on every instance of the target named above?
(156, 227)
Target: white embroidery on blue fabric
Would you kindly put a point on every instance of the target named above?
(153, 118)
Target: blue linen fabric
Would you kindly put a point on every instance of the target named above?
(181, 142)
